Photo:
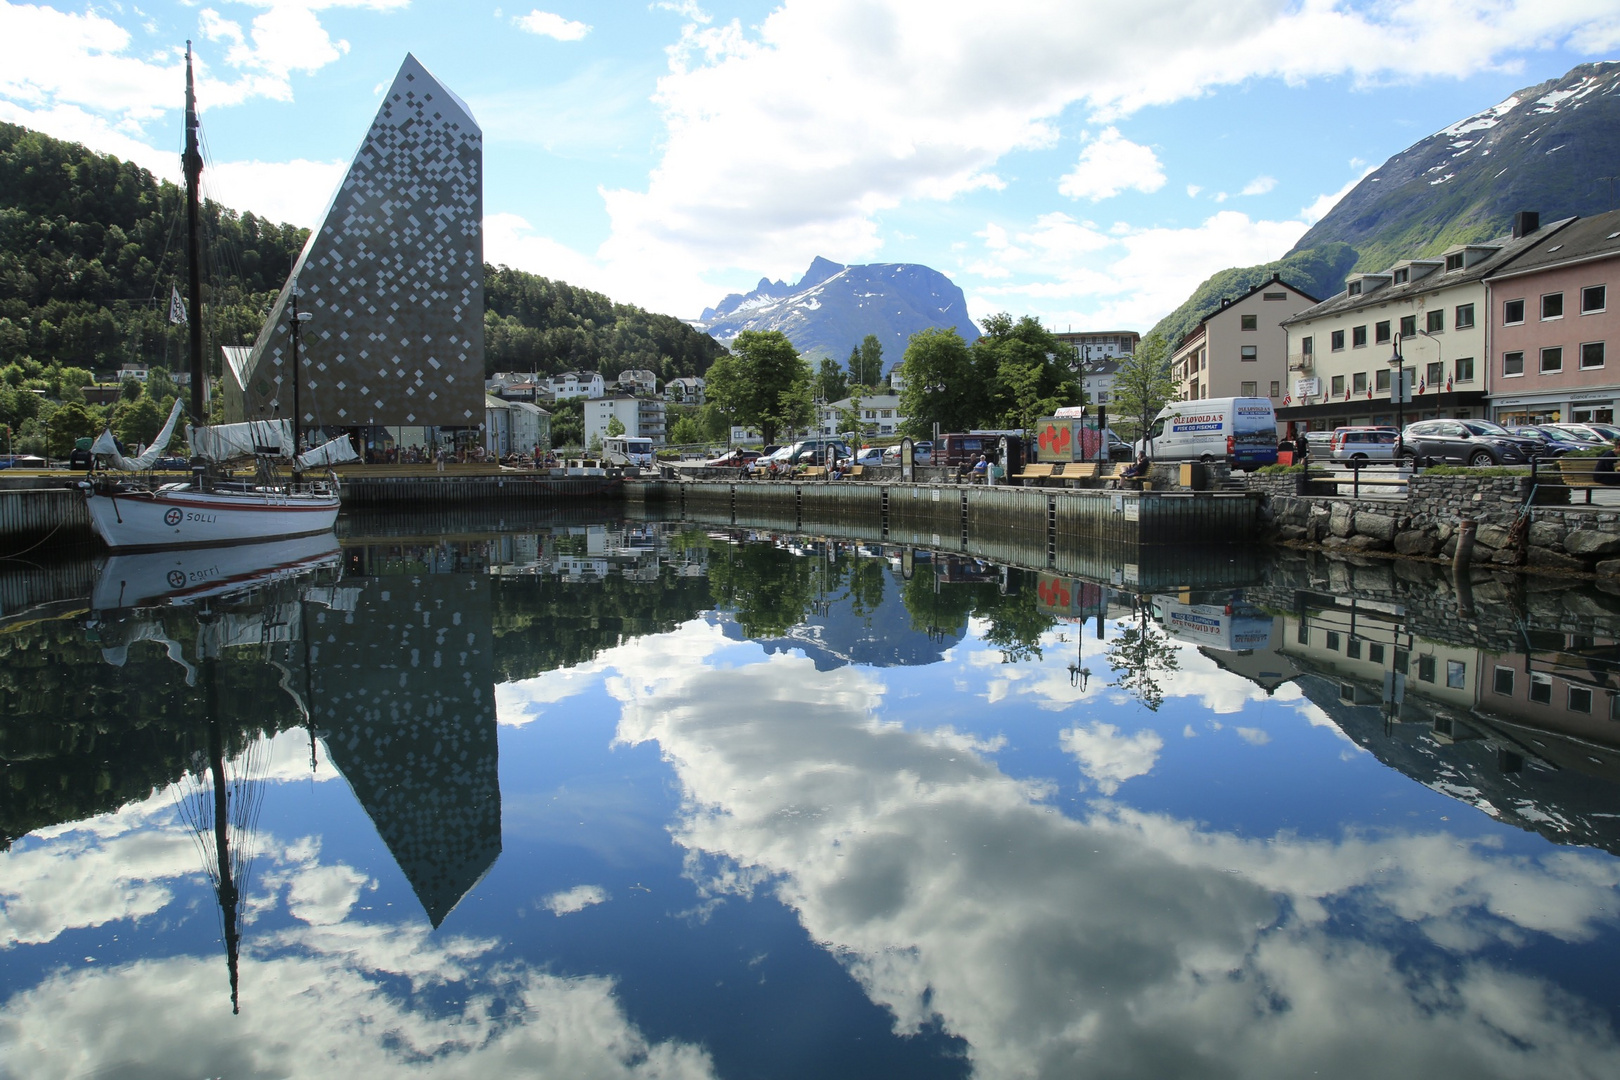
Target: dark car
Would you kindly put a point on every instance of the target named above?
(1466, 442)
(172, 464)
(1555, 443)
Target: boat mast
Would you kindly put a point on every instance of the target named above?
(192, 163)
(297, 317)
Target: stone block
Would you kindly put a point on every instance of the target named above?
(1501, 557)
(1381, 526)
(1608, 567)
(1546, 534)
(1547, 559)
(1341, 520)
(1492, 536)
(1592, 542)
(1416, 542)
(1591, 603)
(1291, 532)
(1362, 542)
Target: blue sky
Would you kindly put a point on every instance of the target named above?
(1084, 161)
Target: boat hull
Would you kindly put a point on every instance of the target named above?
(178, 516)
(190, 575)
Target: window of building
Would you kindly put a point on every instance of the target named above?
(1513, 363)
(1306, 346)
(1276, 388)
(1248, 389)
(1333, 641)
(1456, 672)
(1402, 659)
(1552, 361)
(1250, 352)
(1352, 648)
(1502, 681)
(1347, 693)
(1358, 382)
(1408, 326)
(1594, 298)
(1454, 261)
(1402, 277)
(1464, 368)
(1381, 333)
(1552, 306)
(1436, 320)
(1375, 653)
(1512, 312)
(1580, 699)
(1425, 669)
(1248, 322)
(1358, 336)
(1338, 386)
(1540, 688)
(1434, 374)
(1382, 379)
(1275, 296)
(1592, 355)
(1303, 634)
(1353, 289)
(1464, 318)
(1336, 339)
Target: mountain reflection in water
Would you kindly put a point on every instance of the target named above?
(657, 798)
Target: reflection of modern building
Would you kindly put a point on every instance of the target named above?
(402, 690)
(392, 279)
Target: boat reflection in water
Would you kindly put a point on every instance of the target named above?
(241, 597)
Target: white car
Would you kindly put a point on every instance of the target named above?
(922, 453)
(869, 455)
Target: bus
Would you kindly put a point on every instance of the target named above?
(627, 450)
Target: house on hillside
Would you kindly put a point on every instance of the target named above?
(1341, 352)
(686, 390)
(879, 414)
(1550, 326)
(575, 384)
(638, 381)
(1240, 348)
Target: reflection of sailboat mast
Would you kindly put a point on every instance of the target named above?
(224, 884)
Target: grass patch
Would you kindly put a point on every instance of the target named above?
(1275, 470)
(1470, 470)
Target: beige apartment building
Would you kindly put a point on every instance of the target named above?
(1239, 349)
(1341, 352)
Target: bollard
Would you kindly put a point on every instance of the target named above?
(1465, 544)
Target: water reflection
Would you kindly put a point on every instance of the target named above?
(1000, 817)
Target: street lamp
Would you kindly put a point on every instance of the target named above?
(1399, 391)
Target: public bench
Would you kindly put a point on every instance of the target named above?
(1034, 473)
(811, 472)
(1077, 472)
(1581, 473)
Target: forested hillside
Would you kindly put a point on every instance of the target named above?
(91, 248)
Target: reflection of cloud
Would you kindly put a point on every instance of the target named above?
(326, 1002)
(1253, 736)
(578, 898)
(1110, 758)
(1126, 944)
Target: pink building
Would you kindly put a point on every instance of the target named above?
(1551, 326)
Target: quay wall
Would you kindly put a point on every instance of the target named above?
(32, 516)
(1518, 523)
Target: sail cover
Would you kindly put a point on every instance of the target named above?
(334, 452)
(223, 442)
(106, 444)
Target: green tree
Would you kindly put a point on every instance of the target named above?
(1141, 656)
(764, 383)
(138, 421)
(160, 385)
(69, 422)
(686, 432)
(568, 423)
(1143, 385)
(866, 362)
(1026, 369)
(940, 387)
(714, 423)
(831, 382)
(129, 390)
(615, 427)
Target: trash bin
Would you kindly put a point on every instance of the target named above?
(1193, 476)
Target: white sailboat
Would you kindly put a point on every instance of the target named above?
(129, 512)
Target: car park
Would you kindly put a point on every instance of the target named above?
(1363, 446)
(1466, 442)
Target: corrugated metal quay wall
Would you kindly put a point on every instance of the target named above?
(31, 515)
(460, 490)
(953, 516)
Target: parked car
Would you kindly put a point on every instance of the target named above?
(1319, 444)
(922, 453)
(1361, 446)
(869, 455)
(737, 458)
(21, 461)
(1589, 434)
(1555, 443)
(172, 464)
(1466, 442)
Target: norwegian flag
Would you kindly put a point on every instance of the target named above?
(1448, 384)
(1423, 386)
(1369, 392)
(1288, 399)
(1347, 394)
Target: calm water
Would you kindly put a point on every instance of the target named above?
(659, 800)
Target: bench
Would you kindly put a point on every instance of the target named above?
(1079, 471)
(1034, 473)
(1581, 473)
(811, 472)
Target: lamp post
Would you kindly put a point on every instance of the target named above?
(1398, 390)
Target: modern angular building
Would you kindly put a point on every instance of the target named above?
(393, 281)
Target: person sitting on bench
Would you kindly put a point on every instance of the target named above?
(1603, 471)
(1137, 469)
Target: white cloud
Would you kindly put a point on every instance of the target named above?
(1318, 209)
(296, 192)
(1259, 185)
(546, 24)
(1110, 164)
(578, 898)
(1108, 757)
(1253, 736)
(1193, 190)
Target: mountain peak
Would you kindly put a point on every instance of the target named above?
(820, 270)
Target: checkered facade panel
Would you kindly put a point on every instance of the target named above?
(393, 279)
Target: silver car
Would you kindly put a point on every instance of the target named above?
(1362, 446)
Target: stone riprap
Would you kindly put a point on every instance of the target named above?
(1517, 523)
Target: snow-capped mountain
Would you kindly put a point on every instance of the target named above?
(1553, 148)
(833, 307)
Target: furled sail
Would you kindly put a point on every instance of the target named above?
(335, 452)
(106, 444)
(224, 442)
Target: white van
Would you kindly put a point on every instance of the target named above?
(628, 450)
(1241, 431)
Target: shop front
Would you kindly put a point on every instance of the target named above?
(1558, 407)
(1381, 412)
